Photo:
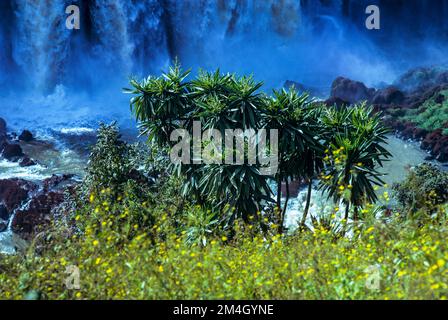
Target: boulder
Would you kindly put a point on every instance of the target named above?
(350, 90)
(36, 214)
(439, 148)
(443, 155)
(33, 217)
(407, 132)
(57, 182)
(389, 95)
(14, 192)
(26, 136)
(334, 101)
(12, 152)
(4, 215)
(3, 226)
(27, 162)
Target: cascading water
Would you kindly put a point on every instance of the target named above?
(123, 37)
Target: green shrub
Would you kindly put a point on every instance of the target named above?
(423, 190)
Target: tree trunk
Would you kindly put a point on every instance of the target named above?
(279, 195)
(356, 214)
(282, 221)
(308, 202)
(347, 210)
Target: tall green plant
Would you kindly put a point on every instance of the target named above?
(356, 150)
(299, 147)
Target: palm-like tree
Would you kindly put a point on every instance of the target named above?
(355, 151)
(159, 104)
(291, 114)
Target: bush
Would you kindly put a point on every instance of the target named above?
(423, 190)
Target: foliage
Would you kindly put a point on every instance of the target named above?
(219, 102)
(111, 161)
(356, 149)
(225, 101)
(423, 190)
(115, 262)
(432, 114)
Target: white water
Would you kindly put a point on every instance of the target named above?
(405, 155)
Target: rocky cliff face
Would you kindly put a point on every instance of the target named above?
(415, 97)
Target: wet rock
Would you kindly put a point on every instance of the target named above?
(407, 130)
(390, 95)
(41, 207)
(58, 182)
(3, 226)
(430, 158)
(36, 214)
(4, 215)
(350, 90)
(12, 152)
(420, 133)
(27, 162)
(26, 136)
(78, 140)
(14, 192)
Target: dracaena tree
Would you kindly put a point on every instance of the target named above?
(299, 147)
(355, 151)
(218, 101)
(160, 104)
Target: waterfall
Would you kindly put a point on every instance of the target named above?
(40, 41)
(291, 38)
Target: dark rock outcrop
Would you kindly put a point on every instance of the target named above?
(3, 226)
(389, 95)
(350, 90)
(27, 162)
(38, 211)
(12, 152)
(334, 101)
(2, 126)
(3, 134)
(14, 192)
(4, 215)
(26, 136)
